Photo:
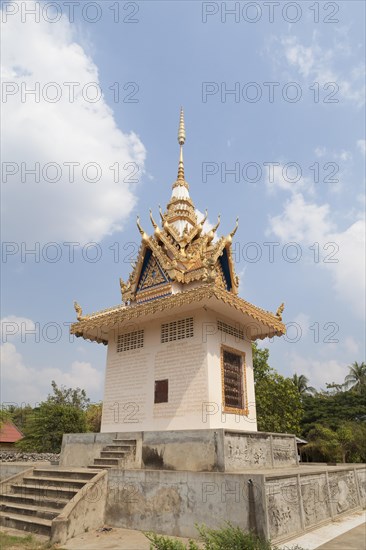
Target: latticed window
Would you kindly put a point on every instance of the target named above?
(177, 330)
(130, 340)
(232, 364)
(236, 331)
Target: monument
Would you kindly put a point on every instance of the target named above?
(179, 346)
(179, 443)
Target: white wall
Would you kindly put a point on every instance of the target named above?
(193, 369)
(215, 340)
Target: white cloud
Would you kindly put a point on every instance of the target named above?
(351, 345)
(320, 151)
(13, 327)
(361, 144)
(300, 56)
(287, 177)
(301, 221)
(340, 252)
(62, 132)
(34, 384)
(332, 154)
(312, 63)
(349, 272)
(241, 275)
(344, 155)
(318, 372)
(303, 320)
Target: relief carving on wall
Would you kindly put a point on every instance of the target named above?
(283, 506)
(241, 453)
(282, 452)
(315, 499)
(343, 491)
(280, 517)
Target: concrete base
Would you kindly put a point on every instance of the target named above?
(193, 450)
(176, 479)
(275, 504)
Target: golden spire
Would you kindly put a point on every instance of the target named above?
(181, 141)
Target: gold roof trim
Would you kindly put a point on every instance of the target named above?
(113, 316)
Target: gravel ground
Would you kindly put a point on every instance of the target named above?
(9, 456)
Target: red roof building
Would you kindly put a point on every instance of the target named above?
(9, 435)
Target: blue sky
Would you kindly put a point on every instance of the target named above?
(298, 168)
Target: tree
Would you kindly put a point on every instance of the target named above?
(260, 362)
(4, 417)
(332, 409)
(322, 444)
(48, 423)
(356, 378)
(347, 443)
(68, 396)
(94, 417)
(333, 388)
(63, 412)
(301, 383)
(20, 414)
(278, 401)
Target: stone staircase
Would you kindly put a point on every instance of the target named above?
(115, 455)
(33, 502)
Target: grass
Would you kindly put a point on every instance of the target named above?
(28, 542)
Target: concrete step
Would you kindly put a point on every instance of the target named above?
(35, 501)
(29, 510)
(125, 442)
(101, 467)
(31, 500)
(113, 454)
(54, 481)
(26, 523)
(126, 448)
(108, 461)
(46, 490)
(73, 473)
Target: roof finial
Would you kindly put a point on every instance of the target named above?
(181, 141)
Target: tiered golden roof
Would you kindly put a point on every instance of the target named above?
(180, 251)
(179, 258)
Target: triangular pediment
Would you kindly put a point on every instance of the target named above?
(224, 271)
(152, 274)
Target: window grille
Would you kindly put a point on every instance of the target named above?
(229, 329)
(177, 330)
(233, 380)
(130, 340)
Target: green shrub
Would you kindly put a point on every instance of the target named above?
(231, 538)
(226, 538)
(159, 542)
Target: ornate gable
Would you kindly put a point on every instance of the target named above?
(152, 274)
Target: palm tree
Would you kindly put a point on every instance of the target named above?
(356, 378)
(301, 382)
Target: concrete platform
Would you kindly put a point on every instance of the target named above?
(353, 540)
(351, 533)
(117, 539)
(347, 533)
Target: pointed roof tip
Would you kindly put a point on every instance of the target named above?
(181, 129)
(181, 141)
